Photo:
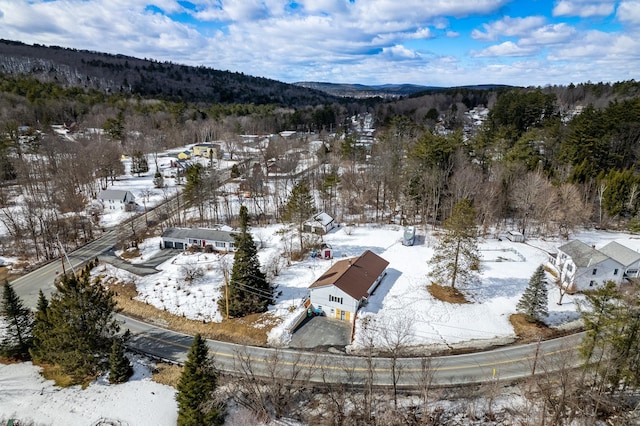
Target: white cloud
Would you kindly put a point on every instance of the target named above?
(549, 34)
(509, 27)
(399, 52)
(508, 48)
(629, 12)
(584, 8)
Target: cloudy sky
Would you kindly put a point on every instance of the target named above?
(428, 42)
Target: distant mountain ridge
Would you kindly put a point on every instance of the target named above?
(150, 78)
(386, 90)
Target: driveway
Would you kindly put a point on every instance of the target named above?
(321, 333)
(146, 268)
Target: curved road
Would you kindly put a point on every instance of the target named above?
(505, 363)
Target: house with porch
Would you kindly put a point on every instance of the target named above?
(346, 285)
(183, 238)
(116, 199)
(582, 267)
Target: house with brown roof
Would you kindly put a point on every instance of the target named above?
(342, 289)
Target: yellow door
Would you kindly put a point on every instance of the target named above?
(337, 313)
(348, 316)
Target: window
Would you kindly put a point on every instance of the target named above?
(335, 299)
(615, 271)
(570, 268)
(595, 271)
(592, 283)
(219, 244)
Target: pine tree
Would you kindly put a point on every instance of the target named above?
(248, 290)
(158, 180)
(41, 326)
(299, 208)
(120, 368)
(17, 340)
(534, 301)
(139, 163)
(196, 386)
(457, 257)
(79, 326)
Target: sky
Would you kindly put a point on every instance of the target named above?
(426, 42)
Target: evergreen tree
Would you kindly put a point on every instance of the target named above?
(248, 290)
(17, 340)
(120, 368)
(457, 258)
(158, 180)
(41, 325)
(196, 386)
(299, 208)
(534, 301)
(139, 163)
(79, 328)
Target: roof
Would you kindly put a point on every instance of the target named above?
(199, 233)
(115, 194)
(583, 255)
(620, 253)
(354, 276)
(323, 218)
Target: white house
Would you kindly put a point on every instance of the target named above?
(320, 223)
(341, 290)
(629, 258)
(582, 267)
(182, 238)
(115, 199)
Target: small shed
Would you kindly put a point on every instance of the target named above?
(515, 236)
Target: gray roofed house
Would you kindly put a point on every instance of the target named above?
(629, 258)
(116, 199)
(182, 238)
(581, 267)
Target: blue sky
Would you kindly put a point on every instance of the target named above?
(427, 42)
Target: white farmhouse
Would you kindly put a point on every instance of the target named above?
(115, 199)
(341, 290)
(582, 267)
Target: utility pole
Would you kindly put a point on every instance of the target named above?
(64, 253)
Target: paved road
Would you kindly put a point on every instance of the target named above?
(504, 363)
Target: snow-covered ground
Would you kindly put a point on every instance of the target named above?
(506, 268)
(402, 296)
(26, 396)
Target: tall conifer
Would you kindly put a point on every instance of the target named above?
(197, 383)
(17, 340)
(534, 301)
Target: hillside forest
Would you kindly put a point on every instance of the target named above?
(544, 161)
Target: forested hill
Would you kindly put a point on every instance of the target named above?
(148, 78)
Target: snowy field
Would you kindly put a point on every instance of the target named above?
(25, 395)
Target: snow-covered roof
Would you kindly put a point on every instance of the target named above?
(323, 218)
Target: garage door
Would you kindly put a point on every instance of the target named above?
(179, 245)
(168, 244)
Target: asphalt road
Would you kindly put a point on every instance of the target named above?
(511, 362)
